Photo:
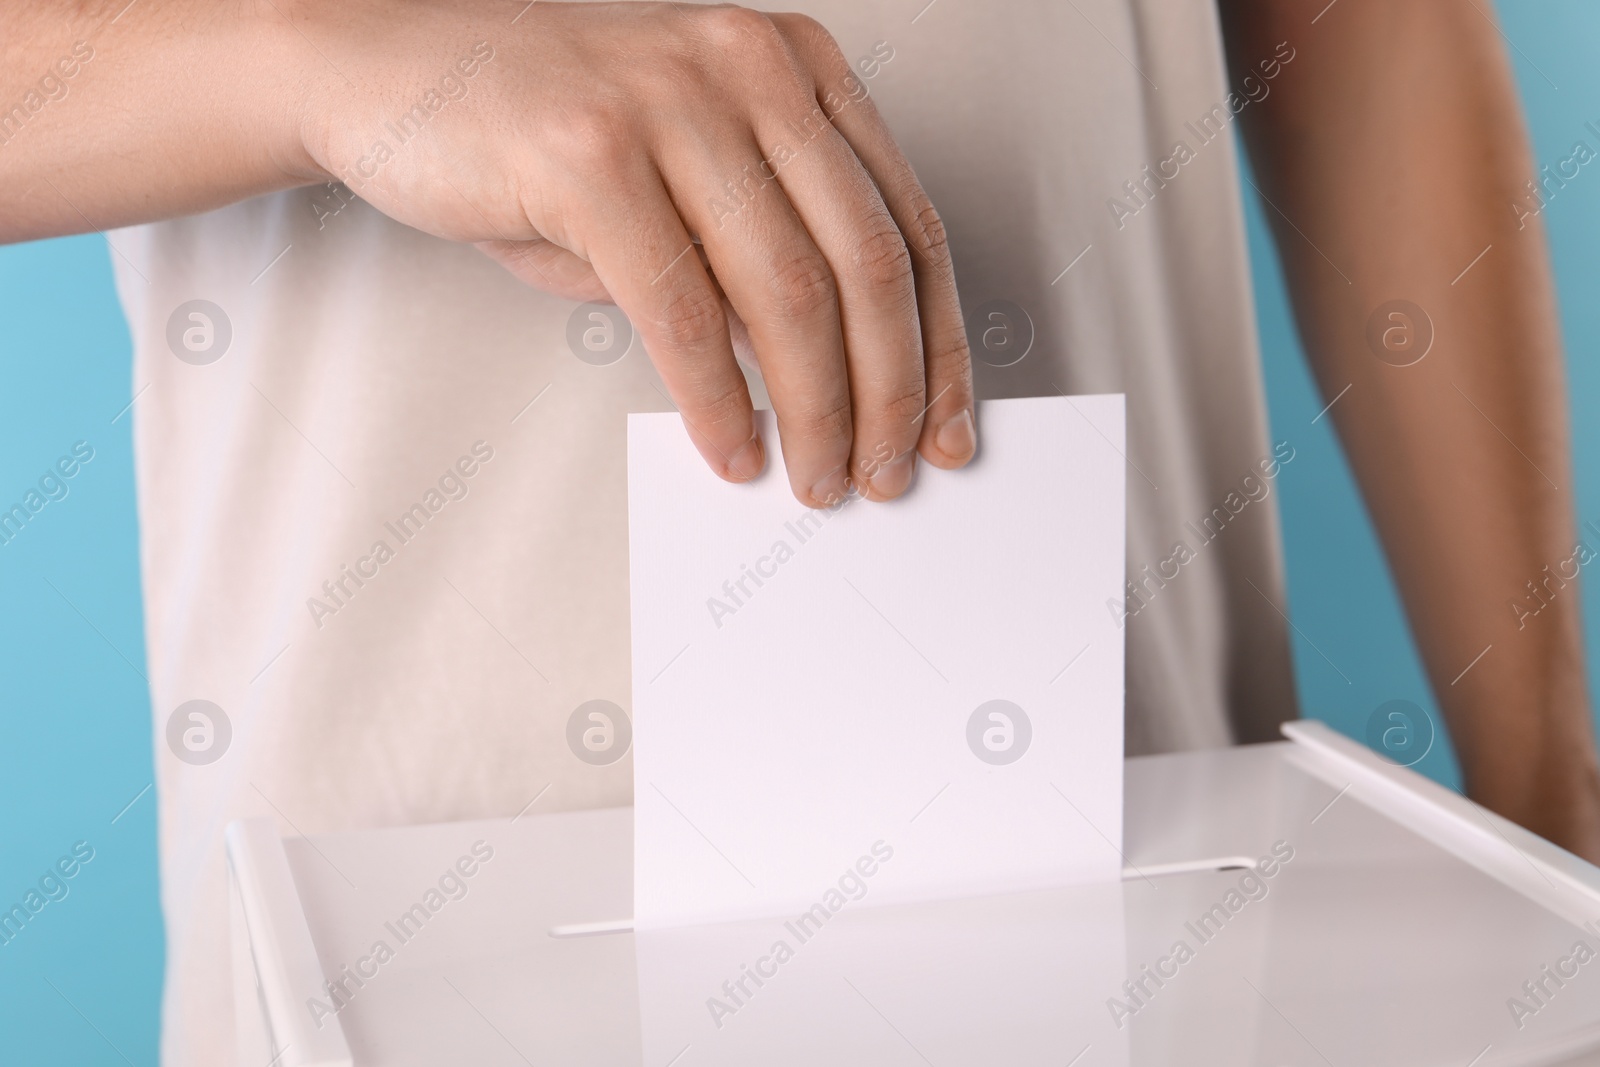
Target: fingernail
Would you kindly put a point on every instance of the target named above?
(748, 461)
(956, 438)
(833, 487)
(892, 478)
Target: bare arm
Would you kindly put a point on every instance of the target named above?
(116, 114)
(1394, 143)
(584, 146)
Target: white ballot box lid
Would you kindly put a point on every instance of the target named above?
(1303, 902)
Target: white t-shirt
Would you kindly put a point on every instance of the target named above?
(384, 530)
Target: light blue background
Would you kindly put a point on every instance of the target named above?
(81, 984)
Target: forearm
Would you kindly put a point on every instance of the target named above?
(1394, 145)
(113, 114)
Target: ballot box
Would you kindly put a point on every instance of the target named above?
(1301, 902)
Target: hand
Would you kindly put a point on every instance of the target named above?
(697, 165)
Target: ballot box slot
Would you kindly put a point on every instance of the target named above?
(600, 929)
(1129, 874)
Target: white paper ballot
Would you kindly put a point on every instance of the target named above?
(878, 703)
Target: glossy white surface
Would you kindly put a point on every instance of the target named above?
(1372, 945)
(270, 931)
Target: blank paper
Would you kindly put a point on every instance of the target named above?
(878, 703)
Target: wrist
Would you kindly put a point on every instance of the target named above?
(1555, 794)
(294, 80)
